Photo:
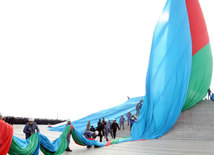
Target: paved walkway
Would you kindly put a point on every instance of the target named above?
(193, 133)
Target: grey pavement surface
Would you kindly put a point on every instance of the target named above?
(193, 133)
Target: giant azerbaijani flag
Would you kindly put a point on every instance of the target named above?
(178, 76)
(180, 68)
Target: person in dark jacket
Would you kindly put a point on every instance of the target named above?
(99, 123)
(209, 94)
(103, 122)
(92, 129)
(100, 129)
(68, 137)
(133, 119)
(30, 128)
(114, 128)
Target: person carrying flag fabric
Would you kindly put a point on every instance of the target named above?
(68, 137)
(30, 128)
(90, 135)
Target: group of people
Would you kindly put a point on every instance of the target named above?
(31, 127)
(103, 128)
(130, 119)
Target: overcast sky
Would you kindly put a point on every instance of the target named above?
(72, 58)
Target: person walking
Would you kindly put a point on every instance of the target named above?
(110, 128)
(137, 109)
(209, 94)
(30, 128)
(103, 122)
(133, 119)
(128, 115)
(100, 129)
(68, 137)
(122, 120)
(115, 126)
(106, 130)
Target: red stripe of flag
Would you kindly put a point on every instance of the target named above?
(198, 27)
